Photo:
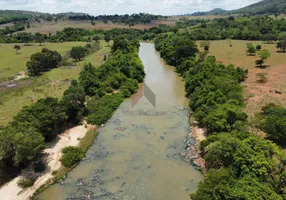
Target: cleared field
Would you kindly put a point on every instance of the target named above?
(52, 83)
(257, 94)
(11, 63)
(53, 27)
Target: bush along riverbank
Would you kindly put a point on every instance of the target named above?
(238, 164)
(22, 142)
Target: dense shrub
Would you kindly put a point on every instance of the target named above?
(101, 109)
(26, 182)
(71, 156)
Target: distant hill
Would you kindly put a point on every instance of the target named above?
(7, 16)
(264, 7)
(216, 11)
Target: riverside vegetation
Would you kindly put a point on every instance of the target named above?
(239, 164)
(47, 117)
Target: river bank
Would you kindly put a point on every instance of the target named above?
(137, 154)
(192, 152)
(71, 137)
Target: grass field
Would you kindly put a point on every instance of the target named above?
(52, 83)
(11, 63)
(257, 94)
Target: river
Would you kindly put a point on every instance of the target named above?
(137, 153)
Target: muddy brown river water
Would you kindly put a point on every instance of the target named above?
(137, 155)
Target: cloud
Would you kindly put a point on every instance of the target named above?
(98, 7)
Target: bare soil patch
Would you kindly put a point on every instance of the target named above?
(260, 94)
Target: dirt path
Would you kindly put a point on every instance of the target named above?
(71, 137)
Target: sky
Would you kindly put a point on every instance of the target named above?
(98, 7)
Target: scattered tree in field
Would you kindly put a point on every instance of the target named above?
(28, 25)
(78, 53)
(92, 23)
(281, 44)
(258, 47)
(250, 49)
(104, 58)
(263, 55)
(17, 48)
(206, 45)
(43, 61)
(107, 39)
(96, 38)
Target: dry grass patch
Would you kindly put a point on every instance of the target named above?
(256, 94)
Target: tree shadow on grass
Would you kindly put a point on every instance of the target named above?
(262, 66)
(279, 51)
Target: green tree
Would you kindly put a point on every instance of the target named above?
(258, 47)
(46, 115)
(78, 53)
(281, 44)
(28, 144)
(71, 156)
(274, 121)
(73, 101)
(263, 55)
(107, 39)
(250, 49)
(39, 38)
(17, 48)
(43, 61)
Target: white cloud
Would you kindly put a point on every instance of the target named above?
(97, 7)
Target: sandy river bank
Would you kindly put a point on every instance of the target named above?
(70, 137)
